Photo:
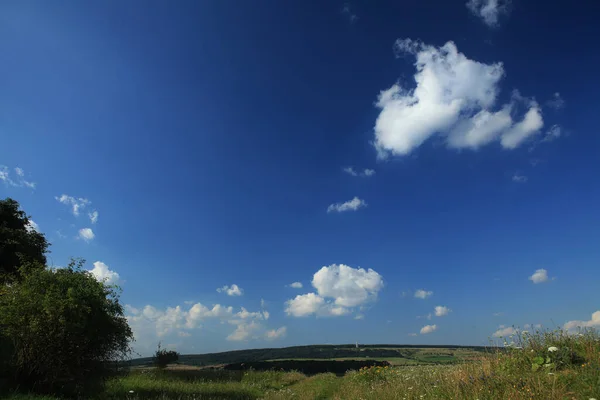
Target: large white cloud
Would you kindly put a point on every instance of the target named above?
(340, 289)
(103, 273)
(592, 323)
(488, 10)
(454, 97)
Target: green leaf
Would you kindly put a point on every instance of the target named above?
(539, 360)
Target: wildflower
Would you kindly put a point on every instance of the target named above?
(552, 349)
(131, 391)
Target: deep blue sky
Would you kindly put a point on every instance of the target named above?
(211, 138)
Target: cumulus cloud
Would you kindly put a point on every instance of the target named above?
(15, 181)
(77, 203)
(539, 276)
(488, 10)
(428, 329)
(296, 285)
(440, 311)
(93, 216)
(275, 334)
(340, 288)
(364, 173)
(244, 331)
(423, 294)
(233, 290)
(103, 273)
(592, 323)
(504, 331)
(519, 178)
(454, 97)
(556, 102)
(86, 234)
(350, 205)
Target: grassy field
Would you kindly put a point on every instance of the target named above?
(543, 366)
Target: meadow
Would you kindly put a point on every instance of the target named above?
(543, 365)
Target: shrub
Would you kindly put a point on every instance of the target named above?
(163, 357)
(64, 328)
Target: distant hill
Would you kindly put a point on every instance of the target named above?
(376, 351)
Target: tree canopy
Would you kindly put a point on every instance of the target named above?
(20, 244)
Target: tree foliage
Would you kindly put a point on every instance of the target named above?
(163, 357)
(20, 244)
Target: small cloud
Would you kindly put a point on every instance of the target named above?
(519, 178)
(276, 333)
(553, 133)
(428, 316)
(233, 290)
(18, 181)
(412, 334)
(535, 162)
(103, 273)
(349, 13)
(359, 316)
(498, 314)
(296, 285)
(440, 311)
(86, 234)
(539, 276)
(350, 205)
(183, 334)
(32, 226)
(93, 216)
(76, 203)
(504, 331)
(423, 294)
(488, 10)
(365, 173)
(556, 102)
(263, 303)
(428, 329)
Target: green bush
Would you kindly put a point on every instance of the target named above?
(64, 328)
(163, 357)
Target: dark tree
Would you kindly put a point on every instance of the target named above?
(20, 244)
(163, 357)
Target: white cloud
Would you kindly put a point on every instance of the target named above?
(412, 334)
(557, 102)
(454, 97)
(86, 234)
(440, 311)
(348, 12)
(428, 316)
(339, 289)
(539, 276)
(428, 329)
(76, 203)
(504, 331)
(93, 216)
(365, 173)
(296, 285)
(592, 323)
(233, 290)
(19, 180)
(244, 331)
(32, 226)
(488, 10)
(423, 294)
(103, 273)
(183, 334)
(350, 205)
(553, 133)
(519, 178)
(263, 303)
(276, 333)
(359, 317)
(498, 314)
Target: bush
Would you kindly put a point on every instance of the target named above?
(64, 328)
(163, 357)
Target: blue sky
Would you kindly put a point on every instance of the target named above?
(392, 158)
